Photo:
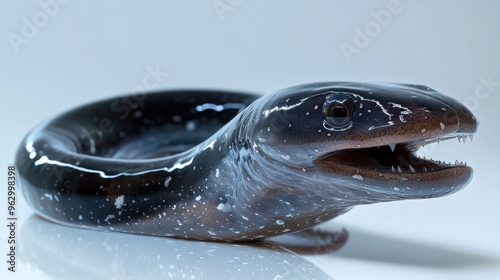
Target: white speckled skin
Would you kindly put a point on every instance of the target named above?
(224, 166)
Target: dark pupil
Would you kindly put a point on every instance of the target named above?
(339, 111)
(339, 115)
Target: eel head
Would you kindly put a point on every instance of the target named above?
(363, 138)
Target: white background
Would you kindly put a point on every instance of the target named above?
(74, 52)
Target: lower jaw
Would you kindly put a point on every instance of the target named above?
(403, 184)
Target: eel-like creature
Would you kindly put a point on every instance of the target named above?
(227, 166)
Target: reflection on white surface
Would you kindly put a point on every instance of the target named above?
(372, 247)
(372, 255)
(61, 252)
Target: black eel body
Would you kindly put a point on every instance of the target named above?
(228, 166)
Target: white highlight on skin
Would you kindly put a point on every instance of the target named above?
(46, 160)
(287, 107)
(218, 107)
(358, 177)
(224, 207)
(384, 110)
(119, 201)
(376, 103)
(328, 127)
(210, 145)
(167, 181)
(190, 126)
(31, 149)
(109, 217)
(390, 123)
(406, 110)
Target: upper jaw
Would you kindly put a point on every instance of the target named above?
(467, 122)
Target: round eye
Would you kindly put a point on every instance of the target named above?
(338, 110)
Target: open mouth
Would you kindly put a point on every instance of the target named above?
(395, 161)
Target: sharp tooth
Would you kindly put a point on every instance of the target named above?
(412, 170)
(424, 168)
(422, 143)
(392, 146)
(464, 138)
(470, 137)
(457, 163)
(399, 169)
(458, 138)
(392, 169)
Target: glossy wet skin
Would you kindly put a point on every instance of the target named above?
(195, 164)
(384, 115)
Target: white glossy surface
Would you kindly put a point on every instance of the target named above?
(89, 50)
